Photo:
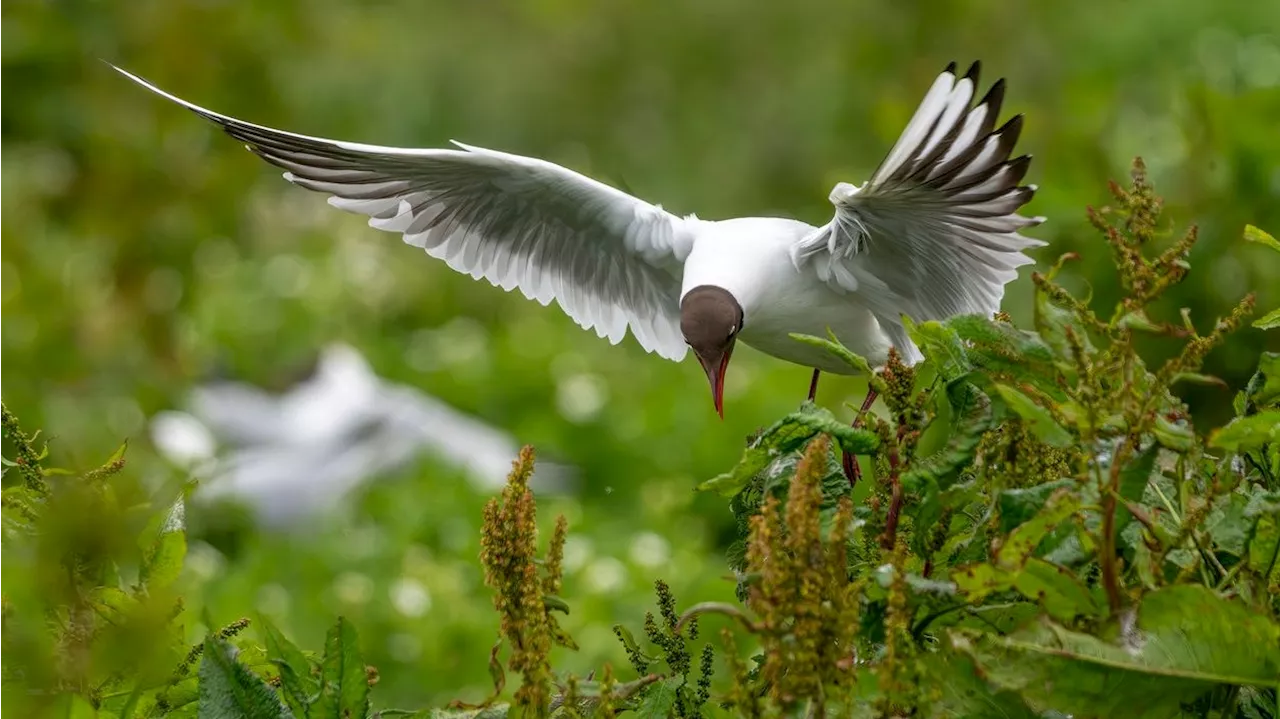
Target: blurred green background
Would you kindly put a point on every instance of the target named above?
(145, 252)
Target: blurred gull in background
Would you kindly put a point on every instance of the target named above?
(292, 455)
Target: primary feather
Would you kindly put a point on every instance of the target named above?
(611, 261)
(934, 232)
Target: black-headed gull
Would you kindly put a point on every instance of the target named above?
(297, 453)
(932, 234)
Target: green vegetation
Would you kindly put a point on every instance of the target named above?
(144, 253)
(1046, 532)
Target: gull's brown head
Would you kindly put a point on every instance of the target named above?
(711, 319)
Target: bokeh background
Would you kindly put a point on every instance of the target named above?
(144, 253)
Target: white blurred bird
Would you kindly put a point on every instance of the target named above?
(932, 234)
(301, 452)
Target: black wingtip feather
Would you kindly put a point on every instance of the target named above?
(1018, 168)
(951, 67)
(974, 70)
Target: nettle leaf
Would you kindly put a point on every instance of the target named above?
(1039, 420)
(788, 435)
(300, 687)
(497, 711)
(1263, 511)
(659, 699)
(1186, 641)
(1264, 387)
(837, 350)
(1003, 350)
(1056, 589)
(1022, 542)
(164, 558)
(1244, 434)
(964, 691)
(1177, 436)
(1019, 505)
(344, 685)
(971, 418)
(228, 690)
(1269, 321)
(1254, 234)
(1133, 483)
(942, 345)
(1228, 526)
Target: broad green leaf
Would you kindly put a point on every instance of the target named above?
(1254, 234)
(299, 685)
(1244, 434)
(228, 690)
(1038, 419)
(1138, 320)
(1022, 542)
(497, 711)
(1200, 379)
(1019, 505)
(1056, 589)
(659, 699)
(1133, 482)
(1177, 436)
(941, 345)
(1263, 511)
(837, 350)
(790, 434)
(1264, 386)
(164, 557)
(964, 691)
(971, 418)
(1269, 321)
(1228, 525)
(1185, 641)
(344, 685)
(978, 581)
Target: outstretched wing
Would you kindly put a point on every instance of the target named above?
(611, 261)
(934, 232)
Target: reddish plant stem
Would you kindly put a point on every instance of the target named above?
(1107, 551)
(890, 536)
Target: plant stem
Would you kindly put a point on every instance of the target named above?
(890, 536)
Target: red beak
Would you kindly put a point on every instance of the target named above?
(715, 374)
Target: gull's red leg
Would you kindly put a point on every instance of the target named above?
(813, 385)
(851, 470)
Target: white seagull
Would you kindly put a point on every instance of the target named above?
(932, 234)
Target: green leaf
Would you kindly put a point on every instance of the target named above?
(497, 711)
(344, 685)
(659, 699)
(1133, 482)
(1038, 419)
(1254, 234)
(941, 345)
(299, 684)
(790, 434)
(1269, 321)
(1185, 642)
(1019, 505)
(1056, 589)
(837, 350)
(1244, 434)
(1177, 436)
(972, 418)
(964, 692)
(163, 561)
(1264, 386)
(1200, 379)
(228, 690)
(978, 581)
(1022, 542)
